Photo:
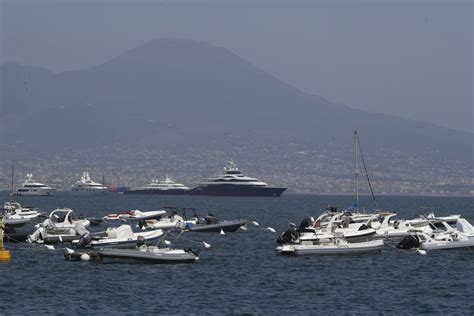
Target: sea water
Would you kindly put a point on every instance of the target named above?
(240, 273)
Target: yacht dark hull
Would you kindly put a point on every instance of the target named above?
(237, 190)
(153, 191)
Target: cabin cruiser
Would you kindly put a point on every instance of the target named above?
(234, 183)
(119, 237)
(135, 215)
(15, 215)
(331, 246)
(436, 238)
(165, 186)
(33, 187)
(87, 186)
(60, 226)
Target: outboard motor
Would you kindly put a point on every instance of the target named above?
(84, 240)
(210, 219)
(409, 242)
(140, 241)
(288, 237)
(363, 227)
(306, 222)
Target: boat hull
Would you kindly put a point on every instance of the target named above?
(135, 256)
(446, 245)
(38, 192)
(237, 190)
(226, 226)
(159, 192)
(349, 249)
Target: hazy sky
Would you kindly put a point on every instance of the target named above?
(410, 58)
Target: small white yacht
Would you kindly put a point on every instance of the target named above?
(165, 186)
(33, 187)
(87, 186)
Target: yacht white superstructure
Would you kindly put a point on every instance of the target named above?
(234, 183)
(165, 186)
(87, 186)
(33, 187)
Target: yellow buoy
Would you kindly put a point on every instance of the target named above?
(4, 254)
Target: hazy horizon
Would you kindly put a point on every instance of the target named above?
(411, 59)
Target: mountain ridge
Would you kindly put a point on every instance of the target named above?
(203, 92)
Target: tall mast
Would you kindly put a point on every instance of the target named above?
(13, 172)
(356, 147)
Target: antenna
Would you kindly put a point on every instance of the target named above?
(11, 193)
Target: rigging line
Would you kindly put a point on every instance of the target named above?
(367, 174)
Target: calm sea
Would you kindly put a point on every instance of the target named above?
(241, 274)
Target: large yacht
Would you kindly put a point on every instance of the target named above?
(33, 187)
(234, 183)
(87, 186)
(165, 186)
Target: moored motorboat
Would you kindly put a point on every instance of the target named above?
(441, 239)
(225, 226)
(333, 246)
(135, 215)
(60, 226)
(119, 237)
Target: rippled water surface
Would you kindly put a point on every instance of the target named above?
(241, 273)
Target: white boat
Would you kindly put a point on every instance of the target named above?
(87, 186)
(333, 246)
(142, 254)
(385, 227)
(15, 215)
(441, 239)
(60, 226)
(119, 237)
(167, 222)
(165, 186)
(135, 215)
(33, 187)
(328, 225)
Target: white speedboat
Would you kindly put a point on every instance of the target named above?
(441, 239)
(32, 187)
(136, 215)
(60, 226)
(119, 237)
(333, 246)
(142, 254)
(385, 227)
(327, 225)
(87, 186)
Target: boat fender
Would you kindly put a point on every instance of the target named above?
(85, 257)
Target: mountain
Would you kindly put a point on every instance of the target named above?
(175, 92)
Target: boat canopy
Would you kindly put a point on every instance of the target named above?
(121, 232)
